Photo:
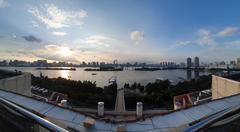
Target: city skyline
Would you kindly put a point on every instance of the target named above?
(98, 31)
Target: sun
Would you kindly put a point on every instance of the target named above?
(64, 51)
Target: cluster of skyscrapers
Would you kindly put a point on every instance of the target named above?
(194, 64)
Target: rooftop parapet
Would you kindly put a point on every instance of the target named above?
(16, 82)
(224, 87)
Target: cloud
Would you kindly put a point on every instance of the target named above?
(59, 33)
(229, 31)
(35, 24)
(136, 36)
(3, 4)
(32, 38)
(98, 40)
(53, 17)
(183, 43)
(52, 47)
(205, 37)
(55, 53)
(233, 44)
(14, 36)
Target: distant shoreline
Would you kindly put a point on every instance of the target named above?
(55, 68)
(125, 68)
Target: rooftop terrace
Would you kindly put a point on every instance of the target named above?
(75, 120)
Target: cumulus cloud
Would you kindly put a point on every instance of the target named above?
(228, 31)
(32, 38)
(98, 40)
(205, 37)
(3, 3)
(59, 33)
(53, 17)
(137, 36)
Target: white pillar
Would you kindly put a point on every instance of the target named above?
(100, 108)
(139, 109)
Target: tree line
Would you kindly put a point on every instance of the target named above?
(158, 94)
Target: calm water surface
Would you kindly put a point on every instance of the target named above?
(126, 76)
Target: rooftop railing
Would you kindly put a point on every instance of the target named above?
(208, 121)
(35, 122)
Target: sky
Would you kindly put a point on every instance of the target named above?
(127, 30)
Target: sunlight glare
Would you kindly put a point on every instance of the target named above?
(64, 51)
(65, 74)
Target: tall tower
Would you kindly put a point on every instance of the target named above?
(238, 60)
(115, 62)
(238, 63)
(189, 62)
(196, 62)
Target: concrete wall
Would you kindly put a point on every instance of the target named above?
(20, 84)
(223, 87)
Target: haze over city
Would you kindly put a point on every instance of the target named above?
(84, 30)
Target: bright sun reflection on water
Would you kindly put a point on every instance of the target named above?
(65, 74)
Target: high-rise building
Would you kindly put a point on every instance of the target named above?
(182, 64)
(115, 62)
(238, 63)
(232, 62)
(196, 62)
(238, 60)
(189, 62)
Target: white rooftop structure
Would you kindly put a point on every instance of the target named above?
(160, 123)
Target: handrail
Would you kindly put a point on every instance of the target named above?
(212, 119)
(45, 123)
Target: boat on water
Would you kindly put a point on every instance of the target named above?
(94, 73)
(56, 68)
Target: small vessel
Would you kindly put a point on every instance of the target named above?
(94, 73)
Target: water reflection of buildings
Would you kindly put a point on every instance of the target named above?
(189, 74)
(196, 73)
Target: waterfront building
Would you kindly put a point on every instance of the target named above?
(182, 64)
(238, 60)
(196, 62)
(40, 63)
(232, 64)
(189, 62)
(238, 63)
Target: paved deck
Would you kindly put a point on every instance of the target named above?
(155, 124)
